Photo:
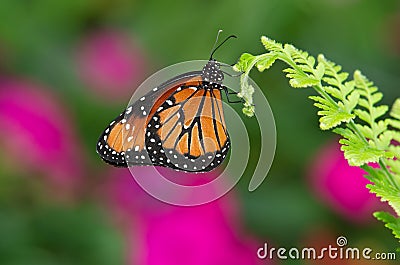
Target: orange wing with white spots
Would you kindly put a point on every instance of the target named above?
(188, 132)
(122, 143)
(178, 125)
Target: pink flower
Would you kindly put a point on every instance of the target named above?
(36, 134)
(341, 186)
(162, 234)
(111, 64)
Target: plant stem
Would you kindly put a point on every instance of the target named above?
(388, 174)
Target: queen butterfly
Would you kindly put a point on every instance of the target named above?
(178, 124)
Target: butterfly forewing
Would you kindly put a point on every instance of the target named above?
(122, 143)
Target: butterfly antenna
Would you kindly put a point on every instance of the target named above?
(215, 43)
(214, 49)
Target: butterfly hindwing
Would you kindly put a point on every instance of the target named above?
(188, 132)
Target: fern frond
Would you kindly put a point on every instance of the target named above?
(383, 188)
(369, 97)
(245, 63)
(332, 114)
(271, 45)
(348, 107)
(356, 151)
(395, 112)
(387, 193)
(391, 222)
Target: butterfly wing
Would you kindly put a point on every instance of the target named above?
(122, 143)
(187, 131)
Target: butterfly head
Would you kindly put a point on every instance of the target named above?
(212, 72)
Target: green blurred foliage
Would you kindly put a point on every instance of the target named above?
(58, 235)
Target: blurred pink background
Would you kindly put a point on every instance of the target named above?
(67, 68)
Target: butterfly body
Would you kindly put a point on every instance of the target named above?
(178, 124)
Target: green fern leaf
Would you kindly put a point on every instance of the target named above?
(379, 111)
(247, 61)
(303, 60)
(319, 71)
(383, 188)
(271, 45)
(356, 151)
(391, 222)
(394, 165)
(266, 61)
(351, 102)
(363, 115)
(244, 62)
(395, 112)
(333, 91)
(246, 93)
(331, 81)
(331, 119)
(298, 81)
(331, 114)
(395, 149)
(365, 130)
(395, 123)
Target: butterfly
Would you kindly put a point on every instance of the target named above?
(178, 124)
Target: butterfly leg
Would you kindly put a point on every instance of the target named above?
(237, 75)
(227, 93)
